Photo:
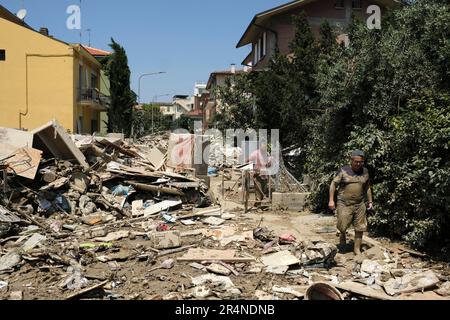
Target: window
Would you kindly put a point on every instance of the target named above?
(260, 48)
(2, 55)
(339, 4)
(356, 4)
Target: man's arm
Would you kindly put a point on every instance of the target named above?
(334, 183)
(370, 197)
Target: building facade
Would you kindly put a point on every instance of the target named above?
(274, 28)
(43, 78)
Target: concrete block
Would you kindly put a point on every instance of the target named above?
(289, 201)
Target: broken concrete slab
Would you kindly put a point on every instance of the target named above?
(166, 239)
(53, 138)
(282, 258)
(137, 208)
(319, 252)
(218, 269)
(280, 270)
(33, 242)
(289, 201)
(444, 289)
(224, 282)
(411, 283)
(16, 296)
(214, 221)
(9, 261)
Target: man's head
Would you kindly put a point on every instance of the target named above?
(358, 159)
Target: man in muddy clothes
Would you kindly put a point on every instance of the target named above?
(352, 183)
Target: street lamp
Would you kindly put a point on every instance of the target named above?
(153, 102)
(145, 75)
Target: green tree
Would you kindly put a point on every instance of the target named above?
(120, 113)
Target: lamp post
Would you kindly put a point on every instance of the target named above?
(145, 75)
(153, 102)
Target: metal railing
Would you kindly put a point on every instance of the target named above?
(93, 95)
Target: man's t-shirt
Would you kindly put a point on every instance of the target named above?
(352, 187)
(260, 161)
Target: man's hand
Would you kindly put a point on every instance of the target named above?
(370, 206)
(332, 205)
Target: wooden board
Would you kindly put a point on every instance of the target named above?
(25, 162)
(197, 254)
(362, 290)
(11, 140)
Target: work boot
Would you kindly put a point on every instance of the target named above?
(342, 243)
(357, 248)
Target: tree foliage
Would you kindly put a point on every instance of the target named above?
(120, 113)
(387, 93)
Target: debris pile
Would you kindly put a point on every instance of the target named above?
(105, 218)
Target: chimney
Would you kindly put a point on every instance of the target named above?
(44, 31)
(233, 68)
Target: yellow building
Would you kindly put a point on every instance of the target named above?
(42, 78)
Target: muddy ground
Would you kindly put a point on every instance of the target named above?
(129, 276)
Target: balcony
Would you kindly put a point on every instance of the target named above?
(92, 97)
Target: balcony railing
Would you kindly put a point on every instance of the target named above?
(92, 95)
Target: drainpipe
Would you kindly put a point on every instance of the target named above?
(28, 55)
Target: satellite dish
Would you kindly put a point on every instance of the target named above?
(22, 14)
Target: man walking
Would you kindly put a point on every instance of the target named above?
(261, 161)
(352, 183)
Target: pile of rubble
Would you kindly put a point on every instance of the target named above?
(104, 218)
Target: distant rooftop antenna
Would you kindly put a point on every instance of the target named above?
(81, 30)
(22, 13)
(89, 31)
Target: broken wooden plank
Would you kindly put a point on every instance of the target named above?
(215, 212)
(412, 252)
(87, 290)
(25, 162)
(362, 290)
(156, 158)
(122, 150)
(151, 188)
(172, 251)
(158, 207)
(195, 255)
